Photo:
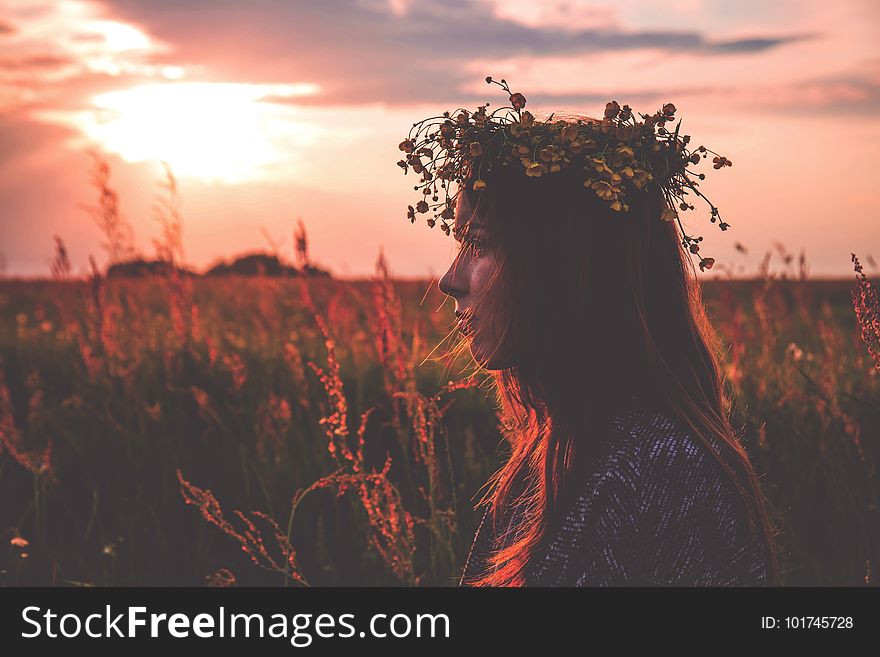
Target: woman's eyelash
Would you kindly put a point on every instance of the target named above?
(477, 244)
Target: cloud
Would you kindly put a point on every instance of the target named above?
(563, 14)
(32, 62)
(6, 28)
(759, 44)
(365, 51)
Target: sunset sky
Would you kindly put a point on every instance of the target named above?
(273, 110)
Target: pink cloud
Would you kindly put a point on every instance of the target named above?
(564, 14)
(32, 62)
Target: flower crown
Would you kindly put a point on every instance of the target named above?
(617, 153)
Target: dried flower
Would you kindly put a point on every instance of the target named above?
(518, 101)
(222, 578)
(866, 303)
(668, 214)
(603, 189)
(612, 109)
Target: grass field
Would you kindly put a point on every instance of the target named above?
(283, 431)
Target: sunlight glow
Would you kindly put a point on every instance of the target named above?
(211, 131)
(119, 37)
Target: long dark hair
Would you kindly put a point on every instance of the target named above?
(599, 306)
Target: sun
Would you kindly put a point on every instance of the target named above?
(212, 131)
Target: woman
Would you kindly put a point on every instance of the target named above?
(624, 468)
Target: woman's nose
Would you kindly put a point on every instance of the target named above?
(448, 284)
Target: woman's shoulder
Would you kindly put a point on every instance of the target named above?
(661, 472)
(662, 504)
(652, 448)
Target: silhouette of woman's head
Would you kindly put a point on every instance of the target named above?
(559, 287)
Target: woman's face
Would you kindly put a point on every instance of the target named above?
(467, 281)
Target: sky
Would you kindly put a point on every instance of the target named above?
(270, 111)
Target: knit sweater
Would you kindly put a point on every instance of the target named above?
(658, 510)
